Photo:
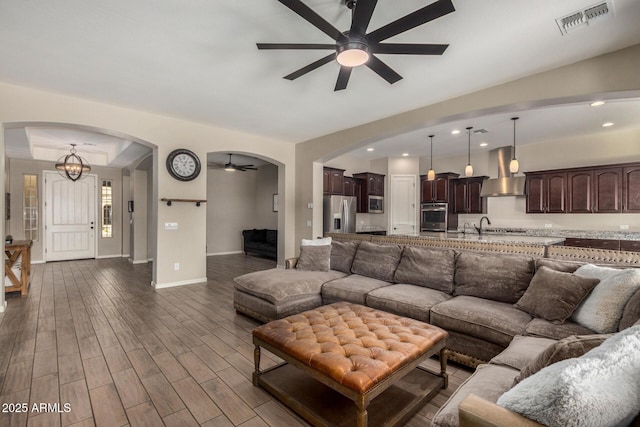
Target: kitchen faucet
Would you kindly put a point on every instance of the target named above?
(479, 229)
(464, 228)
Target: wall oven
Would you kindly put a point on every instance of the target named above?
(376, 204)
(433, 217)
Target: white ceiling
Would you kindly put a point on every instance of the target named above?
(198, 60)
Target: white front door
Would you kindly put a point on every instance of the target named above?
(70, 217)
(403, 204)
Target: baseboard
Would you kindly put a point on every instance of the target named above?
(126, 255)
(3, 306)
(140, 261)
(225, 253)
(180, 283)
(108, 256)
(38, 261)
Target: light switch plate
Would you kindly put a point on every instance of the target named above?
(624, 226)
(170, 225)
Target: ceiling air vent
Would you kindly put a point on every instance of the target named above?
(582, 18)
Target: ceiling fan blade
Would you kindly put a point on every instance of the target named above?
(294, 46)
(304, 70)
(212, 165)
(246, 169)
(362, 16)
(314, 19)
(244, 166)
(383, 70)
(421, 16)
(409, 48)
(343, 78)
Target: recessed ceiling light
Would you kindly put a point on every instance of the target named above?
(405, 154)
(607, 124)
(597, 103)
(369, 149)
(455, 132)
(483, 144)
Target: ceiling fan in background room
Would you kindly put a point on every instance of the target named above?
(357, 47)
(230, 166)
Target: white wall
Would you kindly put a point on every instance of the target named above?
(238, 201)
(21, 105)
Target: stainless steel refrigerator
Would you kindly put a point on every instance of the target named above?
(339, 214)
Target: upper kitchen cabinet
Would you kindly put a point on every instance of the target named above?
(546, 192)
(352, 186)
(333, 181)
(372, 183)
(631, 189)
(436, 190)
(594, 190)
(465, 195)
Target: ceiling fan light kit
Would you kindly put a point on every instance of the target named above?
(230, 166)
(356, 47)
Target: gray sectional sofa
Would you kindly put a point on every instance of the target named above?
(476, 296)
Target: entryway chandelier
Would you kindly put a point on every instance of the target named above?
(72, 166)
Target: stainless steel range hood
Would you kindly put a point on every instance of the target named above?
(505, 184)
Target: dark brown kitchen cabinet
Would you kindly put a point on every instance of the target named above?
(631, 189)
(465, 195)
(436, 191)
(607, 190)
(546, 192)
(593, 243)
(370, 184)
(630, 245)
(352, 186)
(333, 181)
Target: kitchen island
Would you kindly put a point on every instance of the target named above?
(494, 238)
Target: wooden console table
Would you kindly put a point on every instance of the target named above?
(18, 249)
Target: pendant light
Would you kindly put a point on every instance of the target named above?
(72, 166)
(431, 175)
(513, 165)
(468, 171)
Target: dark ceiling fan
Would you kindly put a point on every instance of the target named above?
(230, 167)
(356, 47)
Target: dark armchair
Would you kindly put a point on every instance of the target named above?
(262, 242)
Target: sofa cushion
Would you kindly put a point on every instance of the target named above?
(488, 382)
(406, 300)
(314, 258)
(544, 328)
(353, 288)
(600, 388)
(566, 348)
(378, 261)
(342, 255)
(279, 285)
(521, 351)
(492, 321)
(501, 277)
(631, 313)
(431, 268)
(554, 295)
(602, 310)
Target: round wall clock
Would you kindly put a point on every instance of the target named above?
(183, 164)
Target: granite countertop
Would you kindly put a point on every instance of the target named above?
(494, 238)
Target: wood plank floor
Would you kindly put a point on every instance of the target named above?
(101, 347)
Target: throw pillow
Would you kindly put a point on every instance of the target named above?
(600, 388)
(602, 310)
(567, 348)
(431, 268)
(314, 258)
(631, 313)
(554, 295)
(342, 254)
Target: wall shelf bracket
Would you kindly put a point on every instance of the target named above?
(169, 202)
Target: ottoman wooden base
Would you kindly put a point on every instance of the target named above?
(315, 384)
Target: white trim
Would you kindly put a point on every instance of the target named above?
(38, 261)
(225, 253)
(180, 283)
(3, 306)
(125, 255)
(140, 261)
(108, 256)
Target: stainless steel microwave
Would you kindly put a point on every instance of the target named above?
(376, 204)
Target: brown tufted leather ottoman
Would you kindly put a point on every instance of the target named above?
(361, 353)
